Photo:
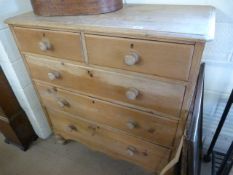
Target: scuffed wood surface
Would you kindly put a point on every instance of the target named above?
(193, 23)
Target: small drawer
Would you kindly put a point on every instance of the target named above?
(143, 125)
(152, 157)
(51, 43)
(150, 57)
(142, 93)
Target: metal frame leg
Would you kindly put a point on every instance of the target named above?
(207, 157)
(227, 164)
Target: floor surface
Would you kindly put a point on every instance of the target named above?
(49, 158)
(46, 157)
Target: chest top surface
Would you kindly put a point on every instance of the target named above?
(181, 22)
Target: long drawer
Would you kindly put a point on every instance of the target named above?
(145, 126)
(51, 43)
(151, 156)
(158, 58)
(146, 94)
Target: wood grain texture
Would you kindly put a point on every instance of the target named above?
(189, 95)
(154, 96)
(8, 103)
(74, 7)
(157, 58)
(27, 69)
(14, 124)
(148, 155)
(163, 45)
(143, 125)
(63, 44)
(172, 22)
(9, 133)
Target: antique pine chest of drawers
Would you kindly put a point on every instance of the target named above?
(122, 82)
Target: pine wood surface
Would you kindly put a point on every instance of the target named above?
(124, 72)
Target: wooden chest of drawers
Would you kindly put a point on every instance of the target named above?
(121, 83)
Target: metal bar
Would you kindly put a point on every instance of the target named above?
(207, 157)
(227, 163)
(192, 148)
(213, 165)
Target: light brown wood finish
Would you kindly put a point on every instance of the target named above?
(157, 58)
(130, 148)
(166, 91)
(165, 22)
(189, 95)
(143, 125)
(154, 96)
(51, 43)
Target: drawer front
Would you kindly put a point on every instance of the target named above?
(146, 94)
(150, 57)
(51, 43)
(149, 127)
(151, 156)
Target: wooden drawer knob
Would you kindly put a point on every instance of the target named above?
(131, 59)
(44, 45)
(63, 103)
(60, 139)
(54, 75)
(131, 151)
(52, 90)
(132, 94)
(70, 128)
(131, 125)
(93, 129)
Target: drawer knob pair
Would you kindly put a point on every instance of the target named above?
(54, 75)
(131, 151)
(44, 45)
(63, 103)
(131, 59)
(132, 93)
(70, 128)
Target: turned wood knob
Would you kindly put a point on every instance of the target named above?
(131, 151)
(54, 75)
(131, 59)
(93, 129)
(44, 45)
(70, 128)
(60, 139)
(132, 93)
(63, 103)
(131, 125)
(52, 90)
